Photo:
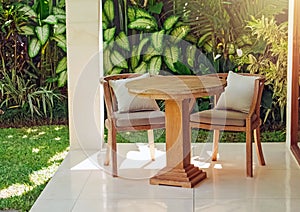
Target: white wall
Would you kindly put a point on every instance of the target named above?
(83, 73)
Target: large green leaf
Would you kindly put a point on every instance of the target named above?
(62, 79)
(170, 22)
(168, 61)
(203, 39)
(58, 11)
(51, 19)
(157, 40)
(62, 65)
(191, 55)
(171, 56)
(150, 52)
(109, 10)
(28, 11)
(105, 21)
(27, 30)
(116, 70)
(179, 33)
(42, 32)
(172, 52)
(109, 34)
(59, 28)
(34, 47)
(141, 46)
(61, 18)
(143, 24)
(141, 13)
(142, 68)
(182, 69)
(131, 14)
(61, 41)
(118, 60)
(154, 65)
(108, 66)
(122, 41)
(135, 57)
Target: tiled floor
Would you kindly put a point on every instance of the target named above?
(82, 184)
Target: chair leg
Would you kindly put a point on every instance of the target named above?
(114, 152)
(259, 151)
(111, 148)
(109, 142)
(108, 148)
(249, 153)
(216, 138)
(151, 144)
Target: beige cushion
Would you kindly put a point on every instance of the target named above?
(139, 118)
(238, 93)
(128, 102)
(221, 117)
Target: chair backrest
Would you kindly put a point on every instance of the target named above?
(258, 90)
(109, 95)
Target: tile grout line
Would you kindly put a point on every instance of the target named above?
(76, 200)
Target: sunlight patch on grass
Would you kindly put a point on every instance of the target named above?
(42, 176)
(37, 177)
(35, 150)
(29, 158)
(14, 190)
(59, 156)
(41, 133)
(58, 128)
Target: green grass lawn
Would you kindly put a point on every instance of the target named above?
(200, 136)
(28, 159)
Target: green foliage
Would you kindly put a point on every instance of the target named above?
(220, 28)
(272, 60)
(29, 157)
(217, 33)
(152, 47)
(48, 23)
(33, 73)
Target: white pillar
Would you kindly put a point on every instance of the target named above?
(85, 110)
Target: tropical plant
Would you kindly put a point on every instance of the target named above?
(46, 30)
(18, 92)
(272, 39)
(32, 75)
(152, 45)
(219, 26)
(12, 45)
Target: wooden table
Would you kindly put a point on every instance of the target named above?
(177, 91)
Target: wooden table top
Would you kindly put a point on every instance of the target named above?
(176, 86)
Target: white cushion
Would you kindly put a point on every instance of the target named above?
(238, 93)
(128, 102)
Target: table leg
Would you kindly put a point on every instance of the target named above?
(179, 170)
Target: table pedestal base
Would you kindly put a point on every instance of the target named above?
(187, 177)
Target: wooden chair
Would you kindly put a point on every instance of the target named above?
(224, 119)
(127, 121)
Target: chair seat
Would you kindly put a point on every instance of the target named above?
(221, 117)
(139, 118)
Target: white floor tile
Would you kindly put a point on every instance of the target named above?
(131, 205)
(84, 184)
(51, 205)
